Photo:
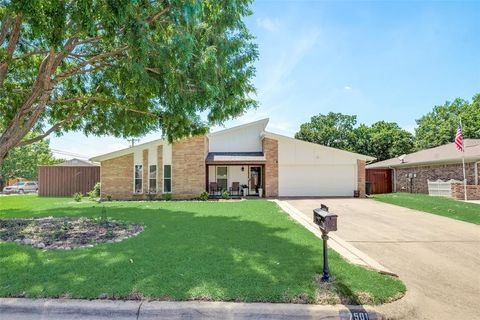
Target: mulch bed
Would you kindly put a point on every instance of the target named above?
(66, 233)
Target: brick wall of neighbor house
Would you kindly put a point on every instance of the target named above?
(458, 191)
(188, 167)
(270, 150)
(116, 177)
(361, 173)
(160, 170)
(424, 173)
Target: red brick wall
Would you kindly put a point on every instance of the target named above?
(361, 177)
(270, 150)
(116, 177)
(458, 191)
(188, 167)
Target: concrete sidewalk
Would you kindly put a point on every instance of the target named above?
(60, 309)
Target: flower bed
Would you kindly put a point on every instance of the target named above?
(66, 233)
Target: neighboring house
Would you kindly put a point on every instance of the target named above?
(266, 162)
(410, 173)
(67, 178)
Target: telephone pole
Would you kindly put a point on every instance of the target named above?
(132, 141)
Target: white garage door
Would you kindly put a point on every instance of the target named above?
(316, 180)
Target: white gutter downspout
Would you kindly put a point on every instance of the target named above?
(476, 172)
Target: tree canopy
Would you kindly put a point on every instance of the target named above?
(22, 162)
(440, 125)
(121, 67)
(382, 140)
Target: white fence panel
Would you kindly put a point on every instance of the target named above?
(441, 188)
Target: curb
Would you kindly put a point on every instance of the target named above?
(346, 250)
(53, 309)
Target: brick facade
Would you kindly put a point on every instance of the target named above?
(361, 178)
(188, 167)
(434, 172)
(270, 150)
(458, 191)
(116, 176)
(160, 170)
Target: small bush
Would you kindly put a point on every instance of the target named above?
(77, 196)
(167, 196)
(109, 197)
(225, 195)
(204, 196)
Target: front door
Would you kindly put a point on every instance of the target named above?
(255, 179)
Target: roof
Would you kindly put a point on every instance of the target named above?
(235, 157)
(129, 150)
(76, 163)
(352, 154)
(446, 153)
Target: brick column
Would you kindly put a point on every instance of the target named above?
(160, 169)
(361, 177)
(145, 171)
(116, 177)
(270, 150)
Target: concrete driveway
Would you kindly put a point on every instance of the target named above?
(438, 258)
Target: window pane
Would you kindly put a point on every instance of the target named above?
(138, 185)
(221, 172)
(167, 171)
(153, 172)
(153, 186)
(138, 171)
(167, 185)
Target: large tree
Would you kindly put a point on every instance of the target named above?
(22, 161)
(332, 130)
(440, 125)
(122, 67)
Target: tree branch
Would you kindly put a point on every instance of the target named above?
(6, 23)
(55, 127)
(153, 18)
(12, 43)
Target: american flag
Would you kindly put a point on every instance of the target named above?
(459, 138)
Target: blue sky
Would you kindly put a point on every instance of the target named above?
(380, 60)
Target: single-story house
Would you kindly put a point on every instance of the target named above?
(268, 163)
(411, 172)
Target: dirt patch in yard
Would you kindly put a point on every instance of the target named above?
(66, 233)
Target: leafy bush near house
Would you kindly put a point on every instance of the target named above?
(167, 196)
(77, 196)
(95, 192)
(225, 195)
(109, 197)
(204, 196)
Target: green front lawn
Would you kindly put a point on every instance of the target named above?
(455, 209)
(235, 251)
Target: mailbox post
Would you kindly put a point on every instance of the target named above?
(327, 222)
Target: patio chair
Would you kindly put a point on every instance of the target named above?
(235, 188)
(213, 188)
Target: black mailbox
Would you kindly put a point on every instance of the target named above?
(325, 220)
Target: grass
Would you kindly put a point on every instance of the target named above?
(232, 251)
(451, 208)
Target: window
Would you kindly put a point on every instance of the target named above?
(222, 178)
(167, 178)
(138, 178)
(152, 179)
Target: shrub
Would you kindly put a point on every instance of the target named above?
(109, 197)
(167, 196)
(96, 190)
(225, 195)
(204, 196)
(77, 196)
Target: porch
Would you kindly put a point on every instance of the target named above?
(241, 174)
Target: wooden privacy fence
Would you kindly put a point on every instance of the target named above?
(66, 180)
(380, 180)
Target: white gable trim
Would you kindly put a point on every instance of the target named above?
(119, 153)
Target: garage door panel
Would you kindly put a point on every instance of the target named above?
(317, 180)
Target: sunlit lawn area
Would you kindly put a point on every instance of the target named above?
(235, 251)
(447, 207)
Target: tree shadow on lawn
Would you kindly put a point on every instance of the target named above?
(181, 255)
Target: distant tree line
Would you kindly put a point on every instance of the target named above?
(385, 140)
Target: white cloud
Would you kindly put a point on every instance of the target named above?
(347, 88)
(268, 24)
